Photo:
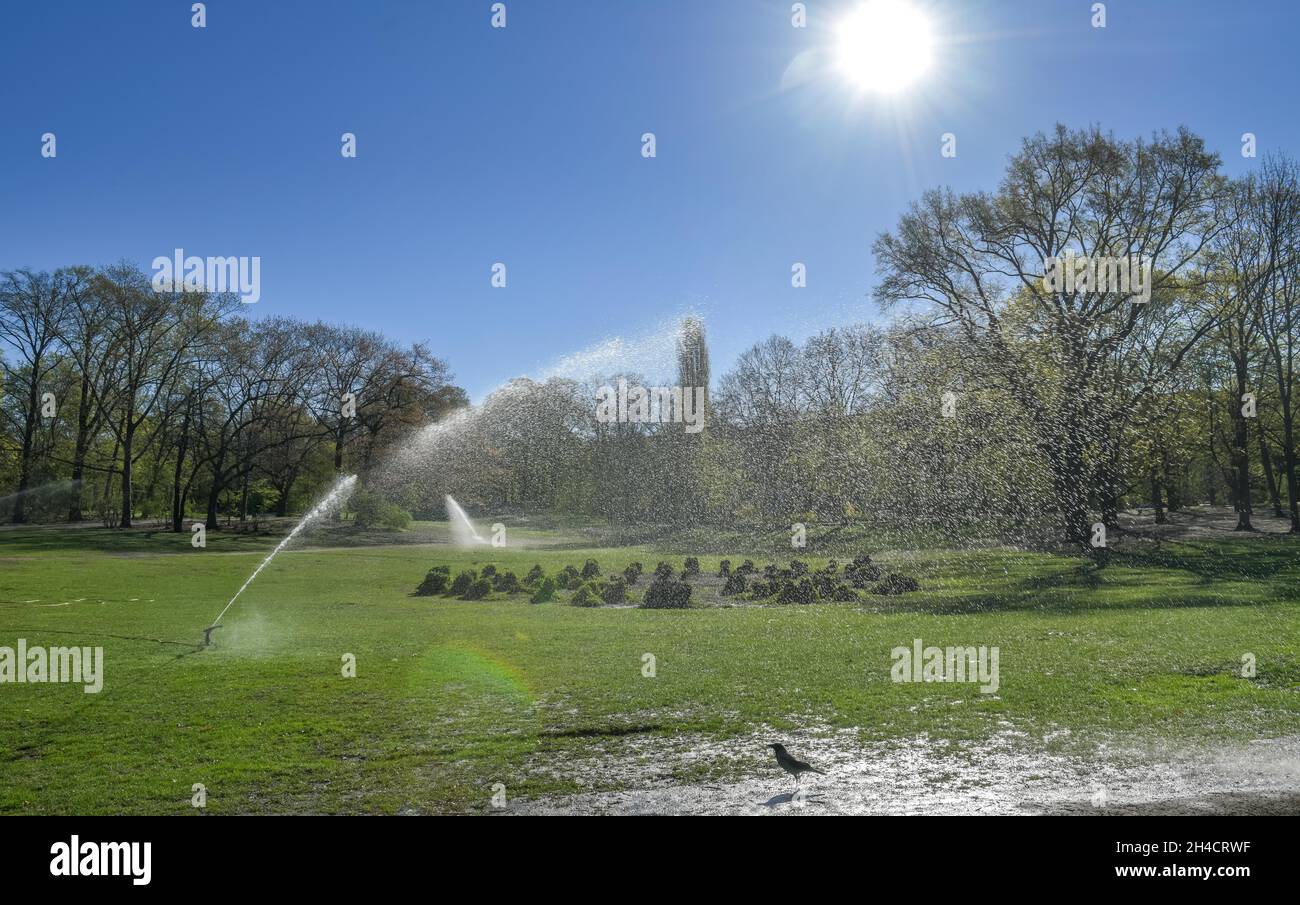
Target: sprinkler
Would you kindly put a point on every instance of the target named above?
(207, 635)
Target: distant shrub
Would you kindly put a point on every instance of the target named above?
(724, 568)
(761, 590)
(844, 593)
(365, 507)
(831, 567)
(735, 584)
(369, 510)
(435, 582)
(769, 571)
(894, 583)
(463, 580)
(691, 567)
(590, 569)
(568, 578)
(862, 571)
(507, 582)
(632, 573)
(478, 590)
(535, 574)
(801, 591)
(747, 567)
(663, 570)
(545, 591)
(588, 595)
(488, 571)
(667, 594)
(798, 568)
(395, 518)
(825, 583)
(615, 591)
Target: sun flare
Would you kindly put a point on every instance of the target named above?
(884, 46)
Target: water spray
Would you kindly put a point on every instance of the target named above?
(337, 496)
(463, 532)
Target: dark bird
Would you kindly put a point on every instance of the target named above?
(793, 765)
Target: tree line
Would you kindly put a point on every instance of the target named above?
(994, 402)
(120, 402)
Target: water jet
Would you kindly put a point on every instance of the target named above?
(337, 496)
(463, 532)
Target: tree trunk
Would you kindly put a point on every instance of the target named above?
(213, 495)
(108, 478)
(1266, 459)
(1241, 453)
(25, 461)
(1067, 479)
(128, 439)
(1156, 503)
(282, 504)
(178, 492)
(1109, 497)
(1289, 464)
(80, 444)
(150, 492)
(1173, 485)
(1292, 490)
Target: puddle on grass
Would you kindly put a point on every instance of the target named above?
(1005, 775)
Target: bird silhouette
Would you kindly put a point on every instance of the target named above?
(793, 765)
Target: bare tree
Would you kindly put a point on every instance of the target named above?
(34, 307)
(258, 380)
(1239, 270)
(979, 259)
(766, 385)
(347, 369)
(842, 368)
(86, 334)
(1278, 215)
(151, 335)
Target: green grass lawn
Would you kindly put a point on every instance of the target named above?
(453, 696)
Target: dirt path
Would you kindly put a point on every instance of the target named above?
(924, 776)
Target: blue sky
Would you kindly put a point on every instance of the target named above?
(522, 145)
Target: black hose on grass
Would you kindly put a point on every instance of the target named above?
(56, 631)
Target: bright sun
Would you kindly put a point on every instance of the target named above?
(884, 46)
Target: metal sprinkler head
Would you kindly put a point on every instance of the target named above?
(207, 635)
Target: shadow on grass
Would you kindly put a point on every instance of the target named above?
(1255, 557)
(27, 539)
(1169, 576)
(154, 540)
